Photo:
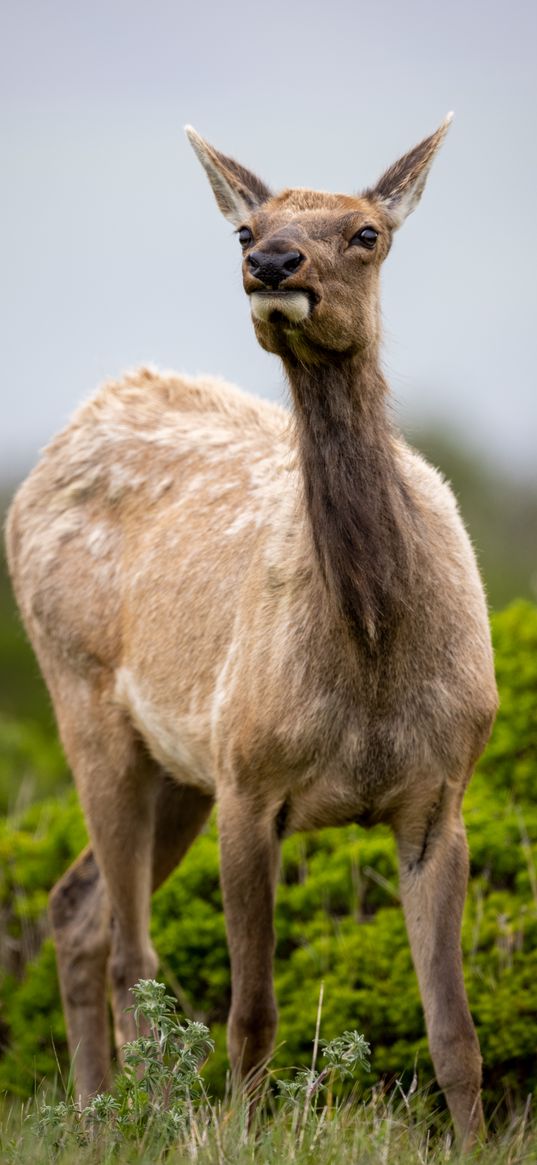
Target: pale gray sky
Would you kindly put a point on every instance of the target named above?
(113, 251)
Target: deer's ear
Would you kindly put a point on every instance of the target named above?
(401, 187)
(238, 192)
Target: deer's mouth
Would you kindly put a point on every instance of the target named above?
(287, 307)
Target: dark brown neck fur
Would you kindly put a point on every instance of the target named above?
(360, 512)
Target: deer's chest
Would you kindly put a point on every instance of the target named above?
(377, 759)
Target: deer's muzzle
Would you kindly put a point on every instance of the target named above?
(295, 306)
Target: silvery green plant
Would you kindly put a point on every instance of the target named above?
(160, 1080)
(344, 1056)
(160, 1090)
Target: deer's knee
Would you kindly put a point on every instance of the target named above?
(251, 1031)
(125, 971)
(125, 967)
(128, 963)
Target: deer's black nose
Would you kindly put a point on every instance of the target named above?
(271, 268)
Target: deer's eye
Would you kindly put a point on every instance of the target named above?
(367, 237)
(245, 236)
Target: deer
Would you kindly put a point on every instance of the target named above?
(277, 611)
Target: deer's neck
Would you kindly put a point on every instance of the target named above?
(359, 510)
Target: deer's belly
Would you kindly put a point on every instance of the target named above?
(180, 743)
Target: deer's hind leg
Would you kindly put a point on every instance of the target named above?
(433, 878)
(80, 918)
(140, 826)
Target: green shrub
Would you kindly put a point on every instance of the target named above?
(31, 763)
(338, 920)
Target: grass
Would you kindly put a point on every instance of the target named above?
(160, 1112)
(384, 1130)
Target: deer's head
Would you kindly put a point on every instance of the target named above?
(311, 260)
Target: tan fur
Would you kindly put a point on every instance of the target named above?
(282, 613)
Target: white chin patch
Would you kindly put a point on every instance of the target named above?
(293, 304)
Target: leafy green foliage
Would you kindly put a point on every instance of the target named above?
(338, 920)
(34, 849)
(31, 753)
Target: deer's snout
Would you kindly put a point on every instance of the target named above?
(271, 268)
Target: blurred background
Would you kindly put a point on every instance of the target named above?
(113, 251)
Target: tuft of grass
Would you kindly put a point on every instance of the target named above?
(160, 1112)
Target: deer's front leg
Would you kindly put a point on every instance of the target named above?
(434, 874)
(249, 867)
